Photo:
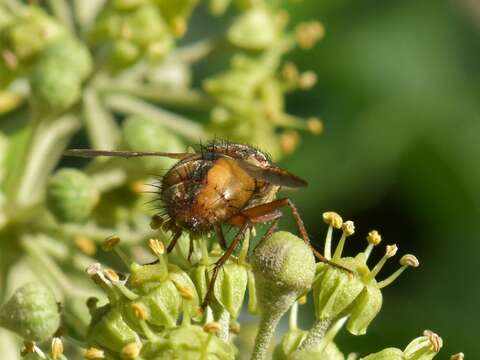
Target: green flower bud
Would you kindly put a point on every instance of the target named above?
(131, 34)
(256, 29)
(31, 31)
(230, 287)
(334, 290)
(176, 9)
(386, 354)
(55, 85)
(188, 342)
(364, 310)
(71, 195)
(32, 312)
(109, 330)
(73, 53)
(145, 134)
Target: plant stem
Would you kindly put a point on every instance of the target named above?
(315, 335)
(179, 124)
(266, 329)
(187, 98)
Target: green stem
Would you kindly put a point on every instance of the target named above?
(187, 98)
(315, 335)
(102, 129)
(45, 149)
(266, 329)
(40, 257)
(179, 124)
(109, 179)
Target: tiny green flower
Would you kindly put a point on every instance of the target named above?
(71, 195)
(425, 347)
(32, 312)
(108, 329)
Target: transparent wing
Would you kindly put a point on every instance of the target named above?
(89, 153)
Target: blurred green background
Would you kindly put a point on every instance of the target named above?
(398, 93)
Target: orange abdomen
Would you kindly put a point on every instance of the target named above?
(199, 193)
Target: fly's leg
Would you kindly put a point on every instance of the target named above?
(220, 237)
(174, 241)
(220, 262)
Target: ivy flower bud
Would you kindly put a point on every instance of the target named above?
(55, 86)
(32, 312)
(73, 53)
(71, 195)
(31, 31)
(459, 356)
(255, 29)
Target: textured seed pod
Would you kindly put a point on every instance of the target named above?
(188, 342)
(55, 85)
(283, 265)
(71, 195)
(32, 312)
(109, 330)
(144, 134)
